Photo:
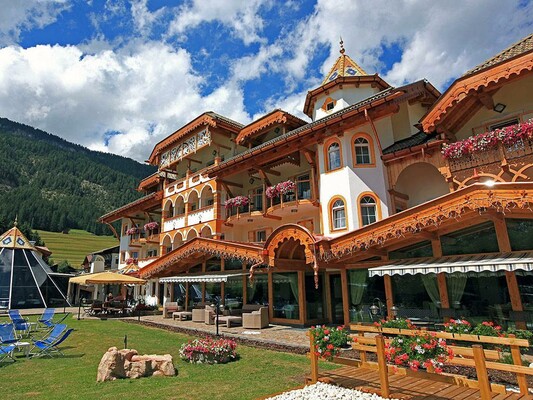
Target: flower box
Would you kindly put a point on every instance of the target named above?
(237, 201)
(132, 231)
(281, 188)
(329, 341)
(151, 226)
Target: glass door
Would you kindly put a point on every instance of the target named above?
(335, 290)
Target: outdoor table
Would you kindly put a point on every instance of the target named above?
(228, 319)
(181, 315)
(24, 347)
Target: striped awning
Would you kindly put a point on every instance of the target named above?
(463, 264)
(202, 278)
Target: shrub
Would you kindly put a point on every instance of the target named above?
(329, 340)
(209, 351)
(419, 351)
(487, 329)
(458, 326)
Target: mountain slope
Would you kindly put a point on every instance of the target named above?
(53, 184)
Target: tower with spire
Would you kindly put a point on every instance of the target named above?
(345, 84)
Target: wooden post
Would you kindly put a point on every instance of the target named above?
(187, 296)
(389, 295)
(314, 358)
(345, 297)
(517, 360)
(514, 295)
(481, 372)
(270, 294)
(382, 366)
(244, 285)
(301, 297)
(362, 353)
(443, 293)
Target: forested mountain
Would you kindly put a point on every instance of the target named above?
(52, 184)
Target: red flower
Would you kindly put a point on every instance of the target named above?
(326, 331)
(330, 346)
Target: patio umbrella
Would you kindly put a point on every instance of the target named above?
(110, 278)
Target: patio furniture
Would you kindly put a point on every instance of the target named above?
(198, 315)
(209, 315)
(50, 346)
(24, 347)
(256, 319)
(6, 351)
(229, 319)
(181, 315)
(46, 318)
(169, 308)
(7, 334)
(20, 323)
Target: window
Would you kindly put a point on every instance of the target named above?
(334, 156)
(256, 195)
(260, 236)
(330, 106)
(151, 253)
(368, 210)
(362, 151)
(135, 254)
(504, 124)
(125, 228)
(338, 215)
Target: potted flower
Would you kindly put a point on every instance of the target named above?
(151, 226)
(329, 340)
(271, 192)
(132, 231)
(398, 323)
(237, 201)
(487, 328)
(458, 326)
(419, 351)
(285, 187)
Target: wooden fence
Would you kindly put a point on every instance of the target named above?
(475, 356)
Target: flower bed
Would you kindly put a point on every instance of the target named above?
(329, 341)
(509, 136)
(209, 351)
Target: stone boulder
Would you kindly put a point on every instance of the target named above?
(127, 363)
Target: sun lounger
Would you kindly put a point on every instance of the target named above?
(49, 346)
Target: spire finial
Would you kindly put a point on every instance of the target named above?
(16, 220)
(342, 46)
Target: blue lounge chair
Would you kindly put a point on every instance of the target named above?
(7, 352)
(21, 324)
(50, 347)
(46, 318)
(7, 334)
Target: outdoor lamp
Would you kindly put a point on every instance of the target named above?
(374, 309)
(499, 107)
(394, 311)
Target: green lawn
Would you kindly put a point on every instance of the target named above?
(257, 373)
(75, 245)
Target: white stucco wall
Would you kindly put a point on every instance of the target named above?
(344, 97)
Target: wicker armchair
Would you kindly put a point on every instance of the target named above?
(169, 308)
(255, 319)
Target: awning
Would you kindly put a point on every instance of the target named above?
(464, 264)
(107, 277)
(202, 278)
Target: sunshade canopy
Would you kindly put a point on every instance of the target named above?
(465, 264)
(107, 277)
(201, 278)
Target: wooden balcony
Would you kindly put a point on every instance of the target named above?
(507, 163)
(141, 238)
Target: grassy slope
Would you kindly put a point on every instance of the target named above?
(75, 246)
(258, 372)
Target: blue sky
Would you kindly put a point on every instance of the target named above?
(120, 75)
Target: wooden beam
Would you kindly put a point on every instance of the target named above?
(226, 188)
(272, 217)
(443, 292)
(263, 176)
(228, 183)
(486, 99)
(373, 251)
(270, 171)
(428, 235)
(345, 297)
(389, 295)
(310, 156)
(514, 295)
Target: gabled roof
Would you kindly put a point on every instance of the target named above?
(511, 63)
(260, 125)
(149, 181)
(208, 118)
(414, 140)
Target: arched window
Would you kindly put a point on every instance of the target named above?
(338, 215)
(368, 210)
(362, 151)
(334, 156)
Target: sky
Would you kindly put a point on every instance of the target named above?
(118, 76)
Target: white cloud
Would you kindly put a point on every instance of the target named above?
(17, 16)
(141, 93)
(240, 16)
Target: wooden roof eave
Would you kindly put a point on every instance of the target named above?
(430, 216)
(411, 150)
(470, 84)
(225, 249)
(145, 203)
(259, 126)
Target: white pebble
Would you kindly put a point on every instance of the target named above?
(324, 391)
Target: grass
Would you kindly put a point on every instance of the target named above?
(74, 246)
(257, 373)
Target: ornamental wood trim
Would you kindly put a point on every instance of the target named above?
(282, 235)
(143, 204)
(503, 198)
(277, 117)
(210, 247)
(466, 86)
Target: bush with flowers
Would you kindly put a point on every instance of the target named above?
(237, 201)
(329, 340)
(509, 136)
(420, 351)
(398, 323)
(209, 351)
(487, 328)
(458, 326)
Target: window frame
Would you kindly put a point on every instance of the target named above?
(372, 153)
(332, 202)
(360, 208)
(327, 145)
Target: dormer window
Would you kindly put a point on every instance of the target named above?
(330, 106)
